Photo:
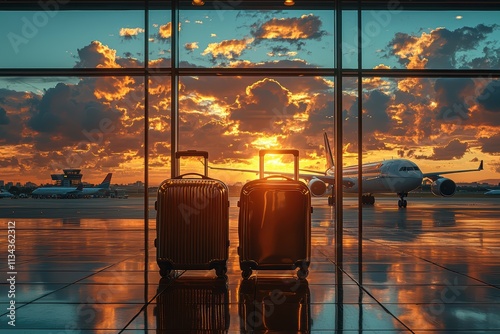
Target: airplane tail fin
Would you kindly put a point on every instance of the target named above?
(328, 152)
(106, 182)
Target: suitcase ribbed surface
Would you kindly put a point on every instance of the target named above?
(192, 222)
(274, 223)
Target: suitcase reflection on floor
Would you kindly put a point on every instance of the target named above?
(274, 304)
(192, 304)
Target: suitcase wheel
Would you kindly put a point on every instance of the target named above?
(165, 272)
(302, 273)
(221, 271)
(246, 273)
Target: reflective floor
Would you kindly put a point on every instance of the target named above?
(431, 268)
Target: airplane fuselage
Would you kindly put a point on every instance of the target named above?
(390, 176)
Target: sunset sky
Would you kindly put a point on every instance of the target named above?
(97, 123)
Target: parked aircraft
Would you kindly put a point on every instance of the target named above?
(398, 176)
(493, 192)
(79, 191)
(5, 194)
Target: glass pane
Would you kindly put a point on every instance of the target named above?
(159, 130)
(67, 39)
(350, 39)
(212, 37)
(234, 117)
(160, 32)
(440, 124)
(69, 131)
(397, 38)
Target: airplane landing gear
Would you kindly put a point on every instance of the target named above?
(402, 203)
(368, 199)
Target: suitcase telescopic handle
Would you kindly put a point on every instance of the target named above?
(193, 153)
(294, 152)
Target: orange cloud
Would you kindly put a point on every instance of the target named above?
(229, 48)
(130, 32)
(191, 46)
(305, 27)
(165, 31)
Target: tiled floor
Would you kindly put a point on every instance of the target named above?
(432, 268)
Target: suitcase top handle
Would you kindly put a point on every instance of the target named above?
(294, 152)
(277, 177)
(192, 153)
(191, 174)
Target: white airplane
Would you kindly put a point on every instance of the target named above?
(73, 191)
(493, 192)
(398, 176)
(5, 194)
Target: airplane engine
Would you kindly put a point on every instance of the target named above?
(443, 187)
(317, 187)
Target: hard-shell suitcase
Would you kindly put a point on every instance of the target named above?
(192, 222)
(274, 224)
(192, 305)
(274, 305)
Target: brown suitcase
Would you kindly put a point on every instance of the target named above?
(274, 224)
(274, 305)
(192, 222)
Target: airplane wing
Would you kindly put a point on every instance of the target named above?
(436, 175)
(76, 191)
(328, 179)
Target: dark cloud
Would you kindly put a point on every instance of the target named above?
(490, 97)
(62, 113)
(490, 145)
(264, 108)
(454, 150)
(9, 162)
(439, 48)
(451, 97)
(11, 129)
(375, 116)
(4, 119)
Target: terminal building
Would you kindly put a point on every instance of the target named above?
(69, 178)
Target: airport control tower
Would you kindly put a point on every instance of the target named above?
(70, 178)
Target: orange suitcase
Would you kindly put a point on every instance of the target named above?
(274, 225)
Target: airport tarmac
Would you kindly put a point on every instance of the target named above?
(81, 266)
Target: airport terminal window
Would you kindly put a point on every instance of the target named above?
(94, 124)
(447, 39)
(159, 129)
(248, 113)
(280, 38)
(72, 39)
(160, 33)
(92, 68)
(434, 121)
